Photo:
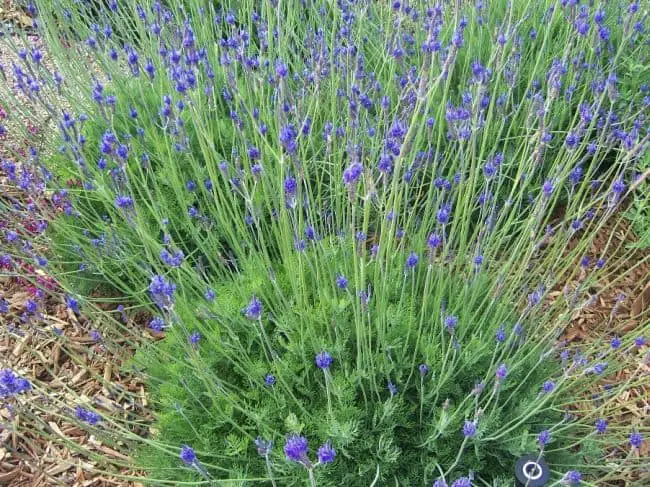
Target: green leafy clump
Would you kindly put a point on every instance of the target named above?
(214, 397)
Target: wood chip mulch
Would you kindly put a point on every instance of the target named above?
(81, 372)
(618, 303)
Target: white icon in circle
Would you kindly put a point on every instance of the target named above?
(532, 470)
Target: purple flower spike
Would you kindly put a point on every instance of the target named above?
(548, 387)
(157, 324)
(323, 360)
(341, 281)
(72, 303)
(451, 322)
(162, 291)
(254, 309)
(87, 416)
(290, 186)
(187, 455)
(296, 448)
(462, 482)
(412, 260)
(636, 439)
(502, 372)
(543, 438)
(194, 338)
(434, 241)
(572, 477)
(326, 454)
(469, 429)
(352, 173)
(11, 384)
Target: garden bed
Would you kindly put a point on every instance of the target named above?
(598, 301)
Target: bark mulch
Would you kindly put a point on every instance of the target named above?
(79, 373)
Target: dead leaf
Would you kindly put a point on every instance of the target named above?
(642, 302)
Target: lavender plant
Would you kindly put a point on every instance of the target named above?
(346, 218)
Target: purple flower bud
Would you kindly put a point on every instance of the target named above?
(599, 368)
(547, 188)
(412, 260)
(618, 186)
(352, 173)
(469, 429)
(543, 438)
(11, 384)
(194, 338)
(576, 224)
(157, 324)
(548, 387)
(323, 360)
(502, 372)
(444, 213)
(434, 241)
(341, 281)
(122, 201)
(290, 186)
(501, 334)
(72, 303)
(636, 439)
(254, 309)
(162, 291)
(604, 33)
(281, 69)
(572, 140)
(450, 322)
(187, 455)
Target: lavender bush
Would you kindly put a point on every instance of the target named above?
(346, 218)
